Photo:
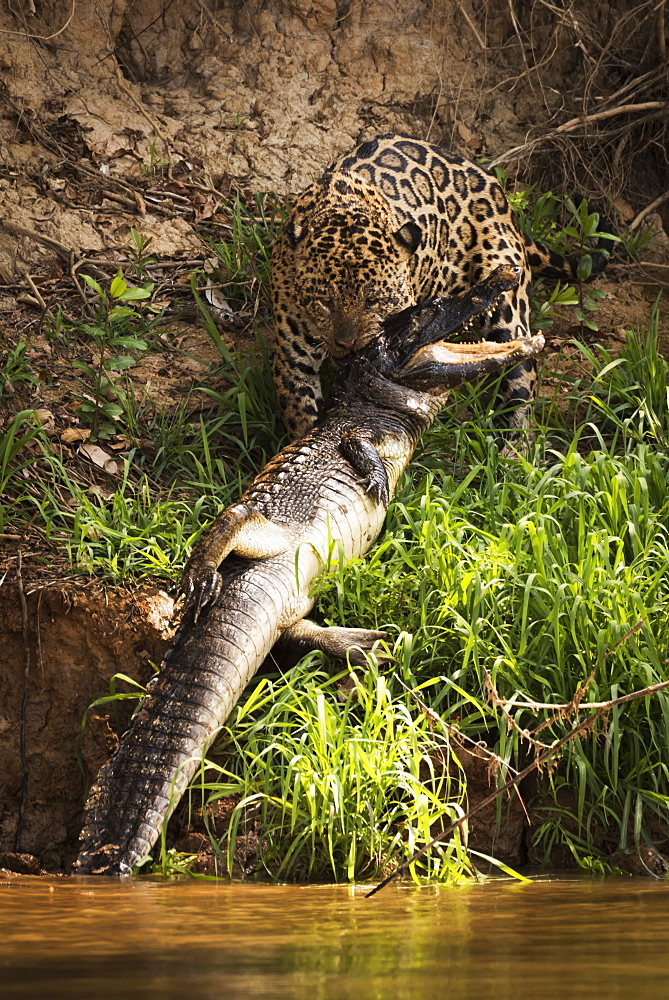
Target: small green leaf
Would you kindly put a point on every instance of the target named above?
(118, 286)
(585, 267)
(83, 366)
(112, 410)
(129, 343)
(132, 294)
(119, 362)
(119, 311)
(92, 283)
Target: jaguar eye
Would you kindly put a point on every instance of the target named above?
(326, 304)
(371, 301)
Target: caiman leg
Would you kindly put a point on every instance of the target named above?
(333, 640)
(241, 530)
(364, 450)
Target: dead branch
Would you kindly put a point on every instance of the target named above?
(44, 38)
(13, 227)
(574, 123)
(471, 25)
(638, 219)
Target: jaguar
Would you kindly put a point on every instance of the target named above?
(392, 222)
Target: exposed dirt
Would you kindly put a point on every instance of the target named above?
(55, 662)
(116, 115)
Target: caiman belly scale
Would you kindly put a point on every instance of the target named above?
(249, 579)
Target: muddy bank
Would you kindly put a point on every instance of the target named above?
(57, 659)
(60, 656)
(262, 95)
(61, 653)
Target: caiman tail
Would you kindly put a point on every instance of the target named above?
(249, 580)
(201, 681)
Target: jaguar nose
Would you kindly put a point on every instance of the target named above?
(346, 345)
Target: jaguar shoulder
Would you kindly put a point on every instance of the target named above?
(394, 221)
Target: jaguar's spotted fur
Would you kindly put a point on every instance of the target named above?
(392, 222)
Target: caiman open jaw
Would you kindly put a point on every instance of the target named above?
(435, 319)
(441, 366)
(444, 353)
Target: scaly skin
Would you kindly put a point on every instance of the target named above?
(249, 579)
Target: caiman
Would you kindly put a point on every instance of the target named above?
(249, 579)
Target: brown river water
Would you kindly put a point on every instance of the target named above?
(567, 938)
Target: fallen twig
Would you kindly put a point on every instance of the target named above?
(541, 759)
(35, 289)
(14, 227)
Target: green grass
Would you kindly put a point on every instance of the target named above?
(530, 575)
(339, 784)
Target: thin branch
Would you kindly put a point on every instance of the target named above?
(638, 219)
(44, 38)
(471, 24)
(661, 39)
(541, 759)
(35, 289)
(434, 717)
(575, 123)
(17, 230)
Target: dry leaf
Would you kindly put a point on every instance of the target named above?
(99, 492)
(218, 301)
(73, 434)
(100, 458)
(47, 420)
(121, 443)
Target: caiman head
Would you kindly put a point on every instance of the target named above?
(412, 349)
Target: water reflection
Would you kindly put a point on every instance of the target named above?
(566, 938)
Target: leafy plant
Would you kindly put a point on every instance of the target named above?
(111, 335)
(543, 217)
(635, 242)
(15, 370)
(140, 259)
(339, 789)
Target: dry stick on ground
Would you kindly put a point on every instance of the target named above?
(14, 227)
(541, 759)
(471, 24)
(35, 289)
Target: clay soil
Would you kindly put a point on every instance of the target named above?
(151, 116)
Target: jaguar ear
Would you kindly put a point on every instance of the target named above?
(409, 236)
(294, 231)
